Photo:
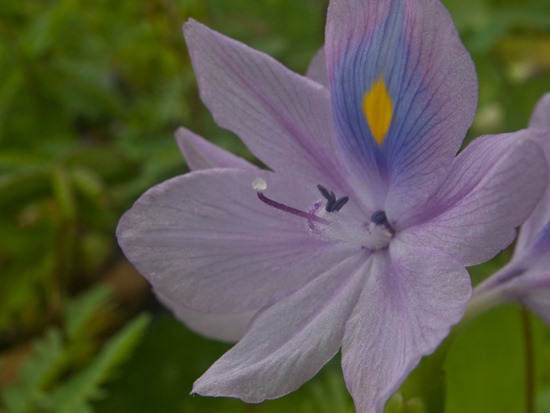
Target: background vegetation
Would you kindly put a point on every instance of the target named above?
(90, 95)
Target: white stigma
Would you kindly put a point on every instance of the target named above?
(259, 184)
(379, 237)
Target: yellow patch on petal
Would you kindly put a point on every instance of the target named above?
(378, 109)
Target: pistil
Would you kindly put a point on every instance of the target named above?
(260, 185)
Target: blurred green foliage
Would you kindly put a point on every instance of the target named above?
(67, 368)
(90, 95)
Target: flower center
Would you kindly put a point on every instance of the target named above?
(374, 234)
(380, 230)
(380, 218)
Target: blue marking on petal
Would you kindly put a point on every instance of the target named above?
(389, 52)
(362, 66)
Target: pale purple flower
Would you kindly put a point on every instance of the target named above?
(526, 278)
(291, 269)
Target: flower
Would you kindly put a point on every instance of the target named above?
(526, 278)
(358, 235)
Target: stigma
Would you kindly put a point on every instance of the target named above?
(380, 232)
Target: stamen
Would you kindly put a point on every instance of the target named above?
(330, 202)
(333, 204)
(338, 205)
(324, 191)
(260, 185)
(380, 218)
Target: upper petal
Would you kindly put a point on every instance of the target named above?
(536, 221)
(517, 283)
(540, 119)
(404, 93)
(201, 154)
(289, 342)
(206, 242)
(412, 297)
(492, 188)
(317, 69)
(525, 279)
(283, 118)
(540, 125)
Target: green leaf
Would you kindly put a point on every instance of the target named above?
(74, 395)
(36, 374)
(63, 191)
(485, 367)
(54, 379)
(543, 401)
(80, 311)
(20, 188)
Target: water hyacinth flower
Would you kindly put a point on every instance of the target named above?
(526, 278)
(358, 235)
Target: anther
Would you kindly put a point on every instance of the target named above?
(324, 191)
(338, 205)
(380, 218)
(260, 185)
(333, 204)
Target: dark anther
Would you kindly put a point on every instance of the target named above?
(380, 218)
(324, 191)
(340, 203)
(331, 201)
(333, 204)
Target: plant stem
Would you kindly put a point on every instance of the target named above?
(529, 361)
